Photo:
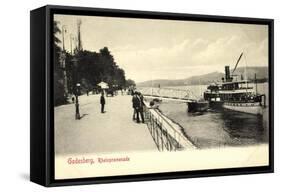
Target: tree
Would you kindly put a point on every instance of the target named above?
(59, 97)
(130, 82)
(96, 67)
(91, 69)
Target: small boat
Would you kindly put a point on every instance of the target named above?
(198, 106)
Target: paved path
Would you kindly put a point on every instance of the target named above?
(113, 131)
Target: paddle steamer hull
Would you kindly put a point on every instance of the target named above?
(250, 108)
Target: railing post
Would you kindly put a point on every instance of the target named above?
(162, 139)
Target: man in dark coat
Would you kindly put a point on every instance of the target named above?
(102, 102)
(136, 105)
(141, 106)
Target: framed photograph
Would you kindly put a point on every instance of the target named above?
(121, 95)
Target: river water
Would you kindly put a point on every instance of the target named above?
(218, 128)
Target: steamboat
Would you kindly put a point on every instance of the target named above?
(234, 95)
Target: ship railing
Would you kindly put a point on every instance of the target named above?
(166, 134)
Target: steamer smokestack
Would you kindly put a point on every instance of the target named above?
(227, 74)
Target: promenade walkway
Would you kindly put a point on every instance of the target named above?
(113, 131)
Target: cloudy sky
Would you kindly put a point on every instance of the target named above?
(163, 49)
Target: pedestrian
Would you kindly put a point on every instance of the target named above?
(135, 102)
(141, 106)
(72, 98)
(102, 102)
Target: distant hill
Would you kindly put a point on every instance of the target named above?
(261, 72)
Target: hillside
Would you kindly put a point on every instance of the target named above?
(261, 72)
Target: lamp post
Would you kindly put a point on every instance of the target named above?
(76, 87)
(77, 93)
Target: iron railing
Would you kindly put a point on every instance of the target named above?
(166, 134)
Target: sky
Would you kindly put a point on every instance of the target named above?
(166, 49)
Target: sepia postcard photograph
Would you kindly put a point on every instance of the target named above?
(142, 95)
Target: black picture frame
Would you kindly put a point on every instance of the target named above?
(41, 95)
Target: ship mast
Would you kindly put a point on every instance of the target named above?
(256, 83)
(246, 77)
(237, 62)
